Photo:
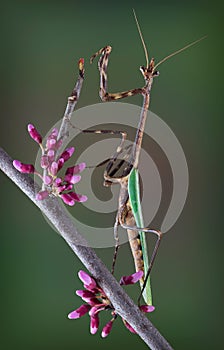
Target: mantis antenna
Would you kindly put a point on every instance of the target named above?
(167, 57)
(178, 51)
(141, 36)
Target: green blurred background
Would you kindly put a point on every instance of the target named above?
(40, 43)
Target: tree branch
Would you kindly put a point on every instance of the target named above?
(59, 219)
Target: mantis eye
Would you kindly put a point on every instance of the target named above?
(142, 69)
(156, 73)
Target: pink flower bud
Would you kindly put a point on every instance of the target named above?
(85, 293)
(34, 133)
(88, 297)
(96, 309)
(51, 155)
(50, 143)
(68, 187)
(54, 168)
(75, 169)
(44, 162)
(87, 280)
(135, 277)
(81, 311)
(23, 168)
(67, 199)
(107, 329)
(94, 324)
(47, 180)
(41, 195)
(72, 179)
(67, 153)
(58, 181)
(78, 197)
(60, 163)
(54, 133)
(62, 188)
(147, 308)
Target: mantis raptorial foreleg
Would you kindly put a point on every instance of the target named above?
(102, 66)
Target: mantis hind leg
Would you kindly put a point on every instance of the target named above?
(154, 253)
(159, 235)
(152, 260)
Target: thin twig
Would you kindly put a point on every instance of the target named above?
(72, 101)
(63, 133)
(55, 213)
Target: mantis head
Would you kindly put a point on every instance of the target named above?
(150, 71)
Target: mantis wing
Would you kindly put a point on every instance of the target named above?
(134, 198)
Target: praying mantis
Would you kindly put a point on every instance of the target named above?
(129, 213)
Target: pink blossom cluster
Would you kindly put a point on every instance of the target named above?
(96, 301)
(51, 164)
